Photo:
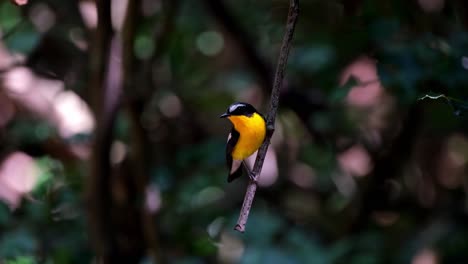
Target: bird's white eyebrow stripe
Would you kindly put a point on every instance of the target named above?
(233, 107)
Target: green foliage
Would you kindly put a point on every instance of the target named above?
(18, 243)
(10, 16)
(22, 260)
(23, 40)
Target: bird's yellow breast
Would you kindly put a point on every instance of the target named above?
(252, 132)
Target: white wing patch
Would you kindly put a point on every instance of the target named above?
(233, 107)
(235, 165)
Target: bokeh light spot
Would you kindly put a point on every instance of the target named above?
(215, 227)
(464, 62)
(207, 195)
(231, 248)
(118, 152)
(42, 17)
(425, 256)
(153, 199)
(88, 11)
(144, 47)
(302, 175)
(210, 43)
(18, 176)
(170, 106)
(74, 115)
(355, 161)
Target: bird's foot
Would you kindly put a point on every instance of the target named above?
(252, 176)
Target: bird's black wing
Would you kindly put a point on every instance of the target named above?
(235, 170)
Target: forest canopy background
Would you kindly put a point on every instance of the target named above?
(111, 146)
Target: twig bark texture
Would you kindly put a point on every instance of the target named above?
(271, 116)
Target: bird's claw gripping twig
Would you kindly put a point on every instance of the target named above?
(251, 174)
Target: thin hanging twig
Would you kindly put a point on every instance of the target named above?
(271, 116)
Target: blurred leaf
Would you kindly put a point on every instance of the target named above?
(203, 246)
(365, 258)
(23, 40)
(189, 260)
(30, 131)
(320, 158)
(312, 58)
(339, 94)
(4, 214)
(9, 16)
(162, 177)
(205, 154)
(144, 46)
(48, 168)
(339, 250)
(17, 243)
(306, 248)
(298, 219)
(269, 255)
(262, 227)
(383, 29)
(22, 260)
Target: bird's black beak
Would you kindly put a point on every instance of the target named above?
(224, 115)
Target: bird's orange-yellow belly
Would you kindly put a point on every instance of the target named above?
(252, 132)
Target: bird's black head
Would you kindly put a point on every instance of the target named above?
(239, 108)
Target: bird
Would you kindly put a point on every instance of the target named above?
(247, 135)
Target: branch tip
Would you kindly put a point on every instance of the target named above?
(239, 228)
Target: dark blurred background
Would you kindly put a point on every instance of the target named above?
(112, 151)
